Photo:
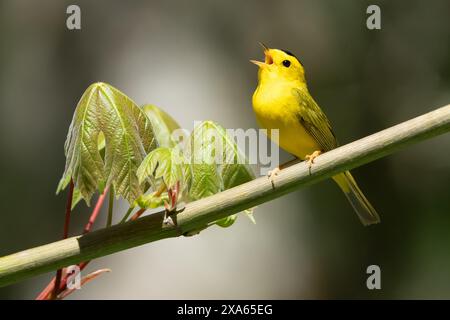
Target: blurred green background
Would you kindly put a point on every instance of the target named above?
(191, 58)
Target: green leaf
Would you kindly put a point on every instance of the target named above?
(163, 163)
(201, 151)
(205, 181)
(227, 221)
(249, 214)
(235, 170)
(150, 201)
(128, 136)
(76, 197)
(63, 183)
(163, 125)
(218, 164)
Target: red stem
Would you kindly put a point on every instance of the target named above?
(65, 234)
(44, 295)
(51, 287)
(68, 210)
(137, 214)
(48, 289)
(96, 211)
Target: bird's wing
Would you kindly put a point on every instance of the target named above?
(315, 121)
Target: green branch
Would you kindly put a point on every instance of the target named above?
(28, 263)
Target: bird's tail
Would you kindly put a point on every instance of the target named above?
(359, 202)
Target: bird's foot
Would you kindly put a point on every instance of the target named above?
(310, 158)
(273, 173)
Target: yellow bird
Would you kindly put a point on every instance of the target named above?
(282, 101)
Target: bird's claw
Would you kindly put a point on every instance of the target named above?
(310, 158)
(273, 173)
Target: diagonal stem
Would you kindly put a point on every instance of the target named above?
(96, 211)
(127, 214)
(137, 214)
(22, 265)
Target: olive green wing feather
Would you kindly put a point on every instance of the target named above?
(314, 120)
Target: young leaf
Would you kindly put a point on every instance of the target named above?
(227, 221)
(205, 181)
(235, 170)
(128, 137)
(210, 143)
(163, 125)
(218, 164)
(163, 163)
(204, 145)
(151, 201)
(77, 197)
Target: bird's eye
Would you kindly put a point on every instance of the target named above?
(286, 63)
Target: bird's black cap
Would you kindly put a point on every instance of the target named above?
(289, 53)
(292, 55)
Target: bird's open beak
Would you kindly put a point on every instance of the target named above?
(268, 58)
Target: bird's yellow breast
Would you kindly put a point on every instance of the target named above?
(277, 108)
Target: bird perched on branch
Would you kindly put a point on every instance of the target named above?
(282, 101)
